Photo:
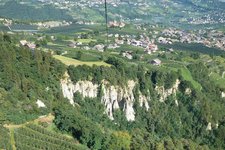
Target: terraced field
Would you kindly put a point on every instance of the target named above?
(34, 137)
(5, 139)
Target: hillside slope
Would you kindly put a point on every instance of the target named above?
(179, 13)
(117, 106)
(28, 78)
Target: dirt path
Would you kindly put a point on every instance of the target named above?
(12, 139)
(48, 118)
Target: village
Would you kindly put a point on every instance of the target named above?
(149, 41)
(112, 74)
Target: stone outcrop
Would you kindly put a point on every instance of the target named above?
(114, 97)
(40, 104)
(223, 95)
(164, 93)
(209, 127)
(188, 91)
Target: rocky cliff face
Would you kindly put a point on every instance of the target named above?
(164, 93)
(114, 97)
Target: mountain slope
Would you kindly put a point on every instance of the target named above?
(27, 77)
(179, 13)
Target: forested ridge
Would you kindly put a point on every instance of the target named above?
(196, 123)
(27, 75)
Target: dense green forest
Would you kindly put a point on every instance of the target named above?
(15, 10)
(26, 76)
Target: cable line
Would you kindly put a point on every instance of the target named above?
(106, 25)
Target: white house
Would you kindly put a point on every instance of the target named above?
(156, 62)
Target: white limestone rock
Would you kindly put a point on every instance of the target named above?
(143, 100)
(85, 88)
(209, 126)
(223, 95)
(40, 104)
(188, 91)
(114, 97)
(164, 93)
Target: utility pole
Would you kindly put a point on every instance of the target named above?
(106, 25)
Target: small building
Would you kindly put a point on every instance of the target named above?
(86, 48)
(127, 54)
(162, 40)
(122, 24)
(113, 46)
(23, 42)
(156, 62)
(171, 50)
(147, 51)
(151, 48)
(72, 45)
(99, 47)
(114, 23)
(118, 41)
(31, 45)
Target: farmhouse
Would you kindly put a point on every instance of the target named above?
(116, 24)
(127, 54)
(156, 62)
(27, 44)
(23, 42)
(31, 45)
(72, 45)
(99, 47)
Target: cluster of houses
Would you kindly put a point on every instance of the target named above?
(113, 24)
(74, 44)
(52, 24)
(6, 22)
(209, 38)
(98, 47)
(85, 22)
(67, 4)
(212, 18)
(129, 55)
(144, 42)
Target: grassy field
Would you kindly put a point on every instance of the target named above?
(74, 29)
(69, 61)
(219, 81)
(86, 40)
(187, 76)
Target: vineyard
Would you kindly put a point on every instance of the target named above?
(34, 137)
(5, 139)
